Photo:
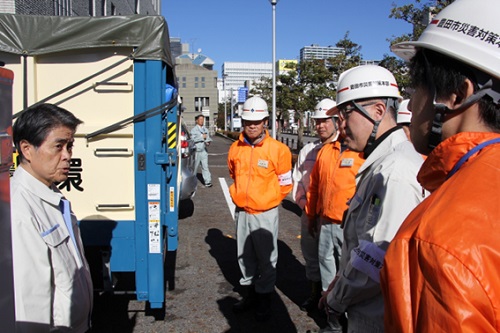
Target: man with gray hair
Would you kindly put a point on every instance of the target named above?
(53, 287)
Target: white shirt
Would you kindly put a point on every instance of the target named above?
(302, 171)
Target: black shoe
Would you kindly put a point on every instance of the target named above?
(248, 302)
(263, 311)
(312, 302)
(208, 185)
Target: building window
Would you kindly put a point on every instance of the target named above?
(202, 79)
(184, 85)
(196, 85)
(196, 79)
(203, 84)
(200, 102)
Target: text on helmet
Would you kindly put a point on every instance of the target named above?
(469, 30)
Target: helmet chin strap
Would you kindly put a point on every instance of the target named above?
(487, 86)
(389, 103)
(334, 119)
(441, 110)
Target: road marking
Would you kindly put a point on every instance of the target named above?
(217, 154)
(229, 201)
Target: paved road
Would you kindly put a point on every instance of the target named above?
(205, 282)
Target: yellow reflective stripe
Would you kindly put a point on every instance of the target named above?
(172, 135)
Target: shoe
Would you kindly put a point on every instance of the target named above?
(311, 303)
(248, 302)
(208, 185)
(333, 325)
(263, 311)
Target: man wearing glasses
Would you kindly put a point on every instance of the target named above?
(386, 191)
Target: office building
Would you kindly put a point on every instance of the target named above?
(197, 88)
(235, 74)
(315, 51)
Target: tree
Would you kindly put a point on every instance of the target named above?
(418, 14)
(348, 58)
(308, 82)
(302, 87)
(399, 69)
(220, 116)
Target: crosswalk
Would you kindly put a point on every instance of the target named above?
(229, 201)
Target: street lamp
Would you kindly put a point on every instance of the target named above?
(224, 76)
(231, 111)
(273, 4)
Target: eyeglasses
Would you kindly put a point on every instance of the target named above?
(346, 110)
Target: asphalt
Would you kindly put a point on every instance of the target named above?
(203, 273)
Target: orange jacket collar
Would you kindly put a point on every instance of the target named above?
(444, 157)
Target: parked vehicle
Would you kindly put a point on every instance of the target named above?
(188, 180)
(123, 178)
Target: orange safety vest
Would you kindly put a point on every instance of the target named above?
(262, 173)
(332, 183)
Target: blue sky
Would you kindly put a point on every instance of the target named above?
(241, 30)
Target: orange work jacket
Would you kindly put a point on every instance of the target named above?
(442, 270)
(262, 173)
(332, 183)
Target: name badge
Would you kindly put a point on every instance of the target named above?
(347, 162)
(263, 163)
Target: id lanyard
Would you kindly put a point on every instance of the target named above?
(471, 152)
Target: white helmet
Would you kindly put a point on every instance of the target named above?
(366, 81)
(464, 30)
(254, 108)
(404, 115)
(321, 108)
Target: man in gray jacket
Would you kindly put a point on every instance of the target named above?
(202, 140)
(53, 287)
(386, 191)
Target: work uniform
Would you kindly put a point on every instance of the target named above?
(262, 179)
(52, 286)
(386, 191)
(332, 185)
(301, 175)
(197, 134)
(445, 259)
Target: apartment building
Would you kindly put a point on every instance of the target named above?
(315, 51)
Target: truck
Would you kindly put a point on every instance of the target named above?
(117, 75)
(7, 316)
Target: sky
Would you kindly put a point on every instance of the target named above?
(241, 30)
